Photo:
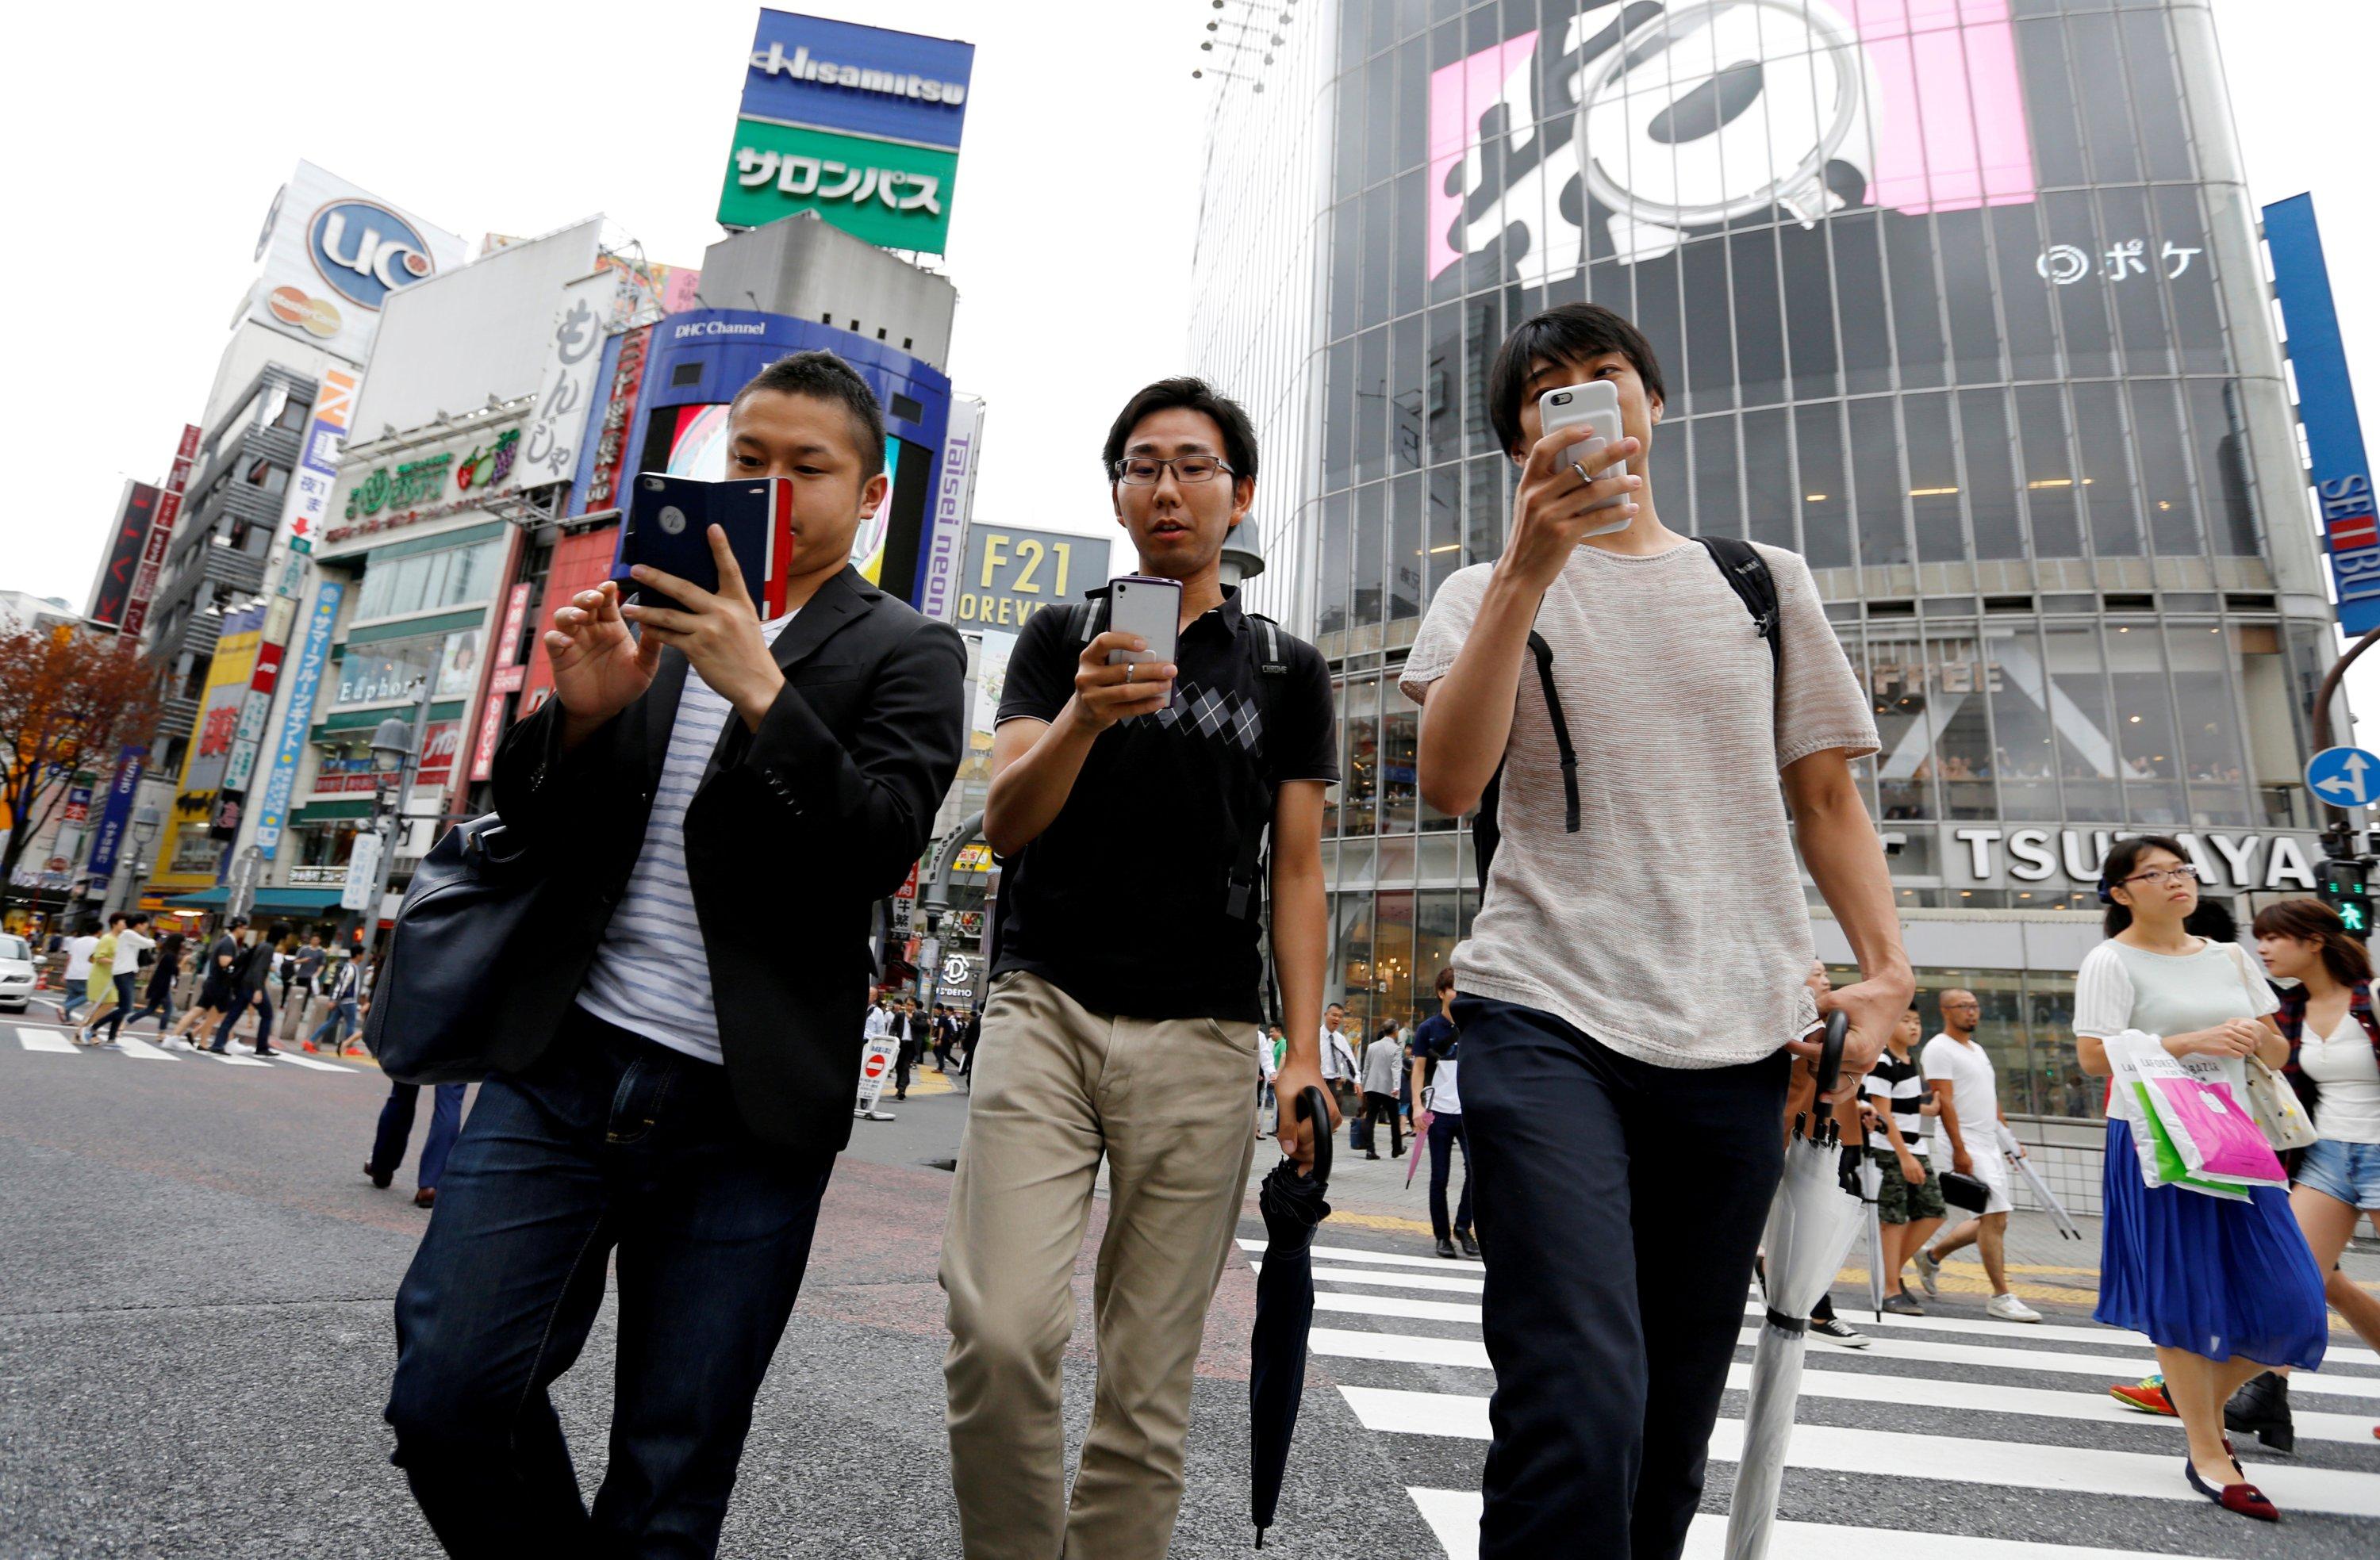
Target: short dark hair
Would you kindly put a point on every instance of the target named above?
(1191, 395)
(238, 921)
(1445, 981)
(822, 376)
(1566, 332)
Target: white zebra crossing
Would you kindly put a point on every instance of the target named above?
(52, 1041)
(43, 1040)
(1366, 1303)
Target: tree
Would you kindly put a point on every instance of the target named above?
(69, 698)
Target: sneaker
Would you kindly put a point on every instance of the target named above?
(1470, 1246)
(1902, 1305)
(2148, 1395)
(1833, 1329)
(1929, 1270)
(2008, 1308)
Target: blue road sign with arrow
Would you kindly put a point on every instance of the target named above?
(2343, 776)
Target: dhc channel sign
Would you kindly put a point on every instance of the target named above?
(366, 251)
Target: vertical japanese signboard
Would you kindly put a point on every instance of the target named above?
(937, 591)
(505, 681)
(297, 714)
(590, 306)
(121, 789)
(160, 533)
(2342, 475)
(317, 461)
(136, 517)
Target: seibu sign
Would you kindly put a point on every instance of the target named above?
(2237, 861)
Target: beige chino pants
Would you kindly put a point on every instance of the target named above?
(1172, 1105)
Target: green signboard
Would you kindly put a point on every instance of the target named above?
(888, 193)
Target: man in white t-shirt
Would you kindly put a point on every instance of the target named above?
(1966, 1139)
(79, 949)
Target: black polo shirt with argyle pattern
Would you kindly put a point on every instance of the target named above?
(1123, 901)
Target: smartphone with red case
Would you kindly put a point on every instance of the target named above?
(668, 527)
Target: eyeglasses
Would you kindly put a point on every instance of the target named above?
(1146, 471)
(2171, 876)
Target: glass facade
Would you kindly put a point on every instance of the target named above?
(1962, 299)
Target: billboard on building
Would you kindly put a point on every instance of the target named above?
(858, 124)
(1012, 572)
(136, 517)
(160, 532)
(333, 252)
(2333, 433)
(938, 577)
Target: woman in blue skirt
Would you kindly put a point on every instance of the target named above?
(2226, 1290)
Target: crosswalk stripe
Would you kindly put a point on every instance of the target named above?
(2046, 1332)
(229, 1061)
(1387, 1259)
(1827, 1375)
(1957, 1460)
(141, 1050)
(2112, 1367)
(310, 1062)
(1453, 1515)
(42, 1040)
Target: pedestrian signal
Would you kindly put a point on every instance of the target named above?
(2347, 889)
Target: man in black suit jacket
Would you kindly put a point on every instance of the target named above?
(700, 799)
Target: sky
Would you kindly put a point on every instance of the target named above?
(1071, 224)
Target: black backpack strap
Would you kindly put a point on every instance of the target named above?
(1485, 834)
(1747, 574)
(1247, 892)
(1089, 618)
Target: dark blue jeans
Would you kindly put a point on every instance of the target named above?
(608, 1144)
(247, 1000)
(1617, 1267)
(338, 1023)
(1446, 1135)
(396, 1127)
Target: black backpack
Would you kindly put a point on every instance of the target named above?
(1747, 573)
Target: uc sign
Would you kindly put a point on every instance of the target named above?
(1012, 573)
(366, 251)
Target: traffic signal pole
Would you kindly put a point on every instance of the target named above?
(2345, 873)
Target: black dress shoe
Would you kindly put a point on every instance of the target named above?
(1470, 1246)
(1371, 1153)
(1445, 1247)
(425, 1197)
(377, 1179)
(2262, 1406)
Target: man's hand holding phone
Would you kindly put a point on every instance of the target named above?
(719, 631)
(1555, 507)
(1105, 694)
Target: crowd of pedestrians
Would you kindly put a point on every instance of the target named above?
(216, 992)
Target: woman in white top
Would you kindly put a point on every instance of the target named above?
(2226, 1290)
(2335, 1064)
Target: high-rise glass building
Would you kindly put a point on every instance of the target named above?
(1964, 300)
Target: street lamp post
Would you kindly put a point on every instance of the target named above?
(396, 757)
(145, 823)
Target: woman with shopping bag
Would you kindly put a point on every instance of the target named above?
(2220, 1279)
(2334, 1064)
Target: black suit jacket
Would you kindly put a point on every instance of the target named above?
(794, 834)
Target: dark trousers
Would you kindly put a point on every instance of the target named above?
(159, 1005)
(247, 1000)
(608, 1145)
(904, 1060)
(113, 1021)
(338, 1023)
(1377, 1109)
(1616, 1289)
(396, 1127)
(1446, 1135)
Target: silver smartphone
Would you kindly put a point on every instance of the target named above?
(1148, 606)
(1595, 405)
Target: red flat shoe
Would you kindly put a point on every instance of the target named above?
(2244, 1498)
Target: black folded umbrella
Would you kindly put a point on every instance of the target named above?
(1291, 1205)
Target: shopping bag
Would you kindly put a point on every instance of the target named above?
(2159, 1161)
(2207, 1121)
(2275, 1106)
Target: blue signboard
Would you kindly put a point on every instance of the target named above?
(861, 80)
(305, 678)
(696, 361)
(131, 760)
(2343, 776)
(2342, 478)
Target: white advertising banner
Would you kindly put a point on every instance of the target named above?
(331, 253)
(590, 306)
(946, 547)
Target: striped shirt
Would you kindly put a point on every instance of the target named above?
(651, 975)
(1902, 1089)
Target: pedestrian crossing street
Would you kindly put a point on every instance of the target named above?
(2002, 1433)
(55, 1041)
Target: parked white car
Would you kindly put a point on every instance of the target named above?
(16, 973)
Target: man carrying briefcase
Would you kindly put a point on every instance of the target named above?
(678, 1088)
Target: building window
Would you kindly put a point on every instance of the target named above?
(451, 576)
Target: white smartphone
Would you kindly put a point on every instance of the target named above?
(1148, 606)
(1595, 405)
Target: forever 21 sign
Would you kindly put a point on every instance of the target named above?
(1012, 573)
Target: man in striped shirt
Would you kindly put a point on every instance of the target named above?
(714, 807)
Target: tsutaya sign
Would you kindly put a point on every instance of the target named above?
(2234, 861)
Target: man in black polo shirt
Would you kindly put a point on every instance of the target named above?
(1128, 805)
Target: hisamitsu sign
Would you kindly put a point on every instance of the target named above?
(862, 80)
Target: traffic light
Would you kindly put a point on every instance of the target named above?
(2347, 889)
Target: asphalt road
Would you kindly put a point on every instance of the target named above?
(195, 1287)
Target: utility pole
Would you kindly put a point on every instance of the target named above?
(396, 757)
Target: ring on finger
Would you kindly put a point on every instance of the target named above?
(1582, 474)
(1129, 667)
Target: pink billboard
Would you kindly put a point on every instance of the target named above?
(1719, 111)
